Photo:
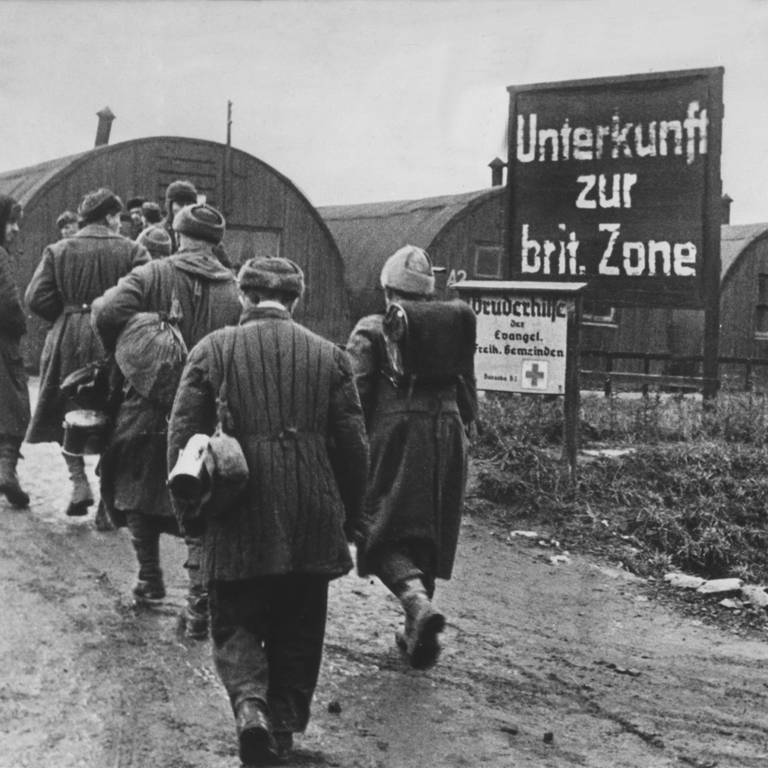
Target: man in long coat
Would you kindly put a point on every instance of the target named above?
(195, 288)
(14, 396)
(71, 274)
(414, 501)
(268, 558)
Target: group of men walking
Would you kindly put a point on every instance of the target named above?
(342, 445)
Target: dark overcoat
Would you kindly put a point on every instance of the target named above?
(133, 467)
(70, 275)
(418, 465)
(296, 413)
(14, 396)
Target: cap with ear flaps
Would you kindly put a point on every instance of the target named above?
(409, 270)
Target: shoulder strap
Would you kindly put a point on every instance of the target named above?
(224, 415)
(175, 314)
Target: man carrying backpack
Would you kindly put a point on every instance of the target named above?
(195, 295)
(415, 374)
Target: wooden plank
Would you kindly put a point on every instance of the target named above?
(696, 382)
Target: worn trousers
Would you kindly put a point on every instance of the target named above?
(268, 637)
(400, 561)
(145, 535)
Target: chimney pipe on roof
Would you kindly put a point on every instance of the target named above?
(725, 209)
(497, 166)
(104, 127)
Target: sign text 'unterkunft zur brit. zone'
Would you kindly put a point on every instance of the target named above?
(616, 182)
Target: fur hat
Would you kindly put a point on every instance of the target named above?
(66, 217)
(409, 270)
(202, 222)
(273, 274)
(157, 241)
(181, 192)
(96, 205)
(134, 202)
(152, 213)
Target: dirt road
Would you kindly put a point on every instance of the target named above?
(544, 665)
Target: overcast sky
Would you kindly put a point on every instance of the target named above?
(361, 101)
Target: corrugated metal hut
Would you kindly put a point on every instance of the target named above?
(266, 213)
(680, 333)
(463, 233)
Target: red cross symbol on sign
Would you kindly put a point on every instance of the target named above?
(533, 374)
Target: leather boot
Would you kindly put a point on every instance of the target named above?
(82, 496)
(257, 744)
(9, 482)
(194, 615)
(149, 588)
(423, 624)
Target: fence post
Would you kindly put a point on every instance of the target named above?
(607, 389)
(748, 376)
(646, 371)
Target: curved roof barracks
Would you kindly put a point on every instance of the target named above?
(266, 213)
(462, 233)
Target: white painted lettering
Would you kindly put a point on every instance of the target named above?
(604, 268)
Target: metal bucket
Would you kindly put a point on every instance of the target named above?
(85, 432)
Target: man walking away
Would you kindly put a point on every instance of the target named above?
(289, 398)
(193, 290)
(417, 422)
(14, 396)
(70, 275)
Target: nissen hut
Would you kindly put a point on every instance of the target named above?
(464, 234)
(266, 213)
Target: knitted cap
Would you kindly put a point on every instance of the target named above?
(272, 273)
(157, 241)
(152, 212)
(96, 205)
(66, 217)
(409, 270)
(203, 222)
(181, 192)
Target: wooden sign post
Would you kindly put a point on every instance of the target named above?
(527, 342)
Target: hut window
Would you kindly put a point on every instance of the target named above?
(488, 261)
(761, 315)
(598, 313)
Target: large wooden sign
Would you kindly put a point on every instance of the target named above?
(616, 182)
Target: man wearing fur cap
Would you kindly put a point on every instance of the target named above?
(200, 295)
(291, 403)
(71, 274)
(417, 430)
(177, 195)
(66, 223)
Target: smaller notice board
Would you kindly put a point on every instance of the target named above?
(522, 333)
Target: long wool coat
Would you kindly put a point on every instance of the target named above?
(70, 275)
(14, 396)
(297, 416)
(133, 467)
(418, 464)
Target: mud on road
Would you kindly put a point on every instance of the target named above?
(544, 665)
